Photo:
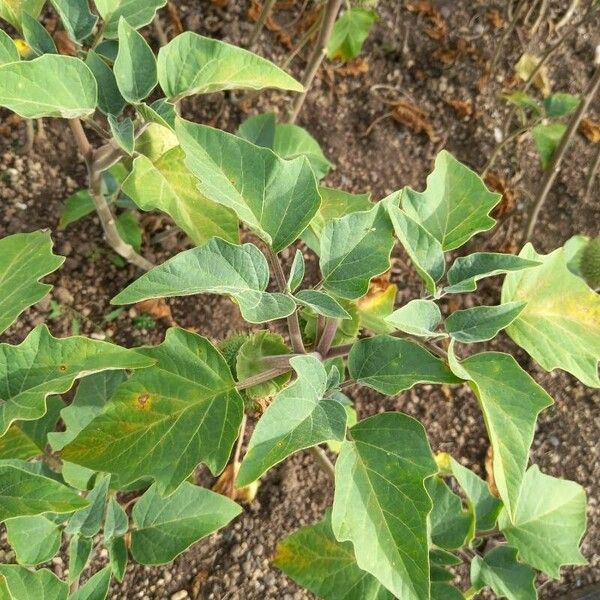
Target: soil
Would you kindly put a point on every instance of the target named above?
(405, 61)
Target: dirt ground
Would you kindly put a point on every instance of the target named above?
(435, 64)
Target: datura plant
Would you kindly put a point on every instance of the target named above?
(142, 420)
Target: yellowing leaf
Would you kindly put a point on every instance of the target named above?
(525, 67)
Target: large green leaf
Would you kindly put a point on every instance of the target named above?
(135, 65)
(466, 271)
(215, 268)
(548, 522)
(503, 574)
(418, 317)
(390, 365)
(22, 584)
(76, 18)
(163, 528)
(49, 86)
(355, 248)
(380, 502)
(301, 416)
(193, 64)
(23, 492)
(12, 10)
(110, 100)
(35, 538)
(8, 49)
(510, 401)
(166, 184)
(314, 559)
(350, 32)
(42, 365)
(95, 588)
(455, 204)
(137, 13)
(165, 420)
(277, 198)
(560, 326)
(26, 257)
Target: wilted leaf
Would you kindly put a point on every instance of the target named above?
(525, 68)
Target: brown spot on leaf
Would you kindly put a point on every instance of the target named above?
(62, 368)
(142, 400)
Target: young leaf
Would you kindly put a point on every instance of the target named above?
(187, 403)
(548, 522)
(117, 555)
(77, 206)
(36, 36)
(350, 32)
(503, 574)
(87, 521)
(95, 588)
(390, 365)
(110, 101)
(259, 130)
(49, 86)
(135, 66)
(123, 133)
(129, 229)
(12, 10)
(163, 528)
(22, 584)
(35, 539)
(355, 248)
(116, 523)
(510, 401)
(296, 272)
(58, 363)
(466, 271)
(377, 306)
(215, 268)
(418, 317)
(560, 326)
(482, 323)
(8, 49)
(322, 304)
(160, 112)
(26, 258)
(167, 185)
(80, 550)
(455, 204)
(560, 104)
(380, 503)
(314, 559)
(76, 17)
(23, 493)
(547, 137)
(277, 198)
(298, 418)
(193, 64)
(137, 13)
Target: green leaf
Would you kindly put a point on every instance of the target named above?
(187, 403)
(76, 18)
(422, 248)
(482, 323)
(160, 112)
(12, 10)
(299, 417)
(259, 130)
(35, 539)
(92, 394)
(77, 206)
(548, 523)
(8, 49)
(347, 329)
(26, 257)
(523, 101)
(390, 365)
(36, 36)
(355, 248)
(250, 361)
(110, 101)
(193, 64)
(376, 307)
(49, 86)
(350, 32)
(486, 507)
(122, 133)
(167, 185)
(76, 476)
(560, 326)
(451, 526)
(503, 574)
(135, 65)
(116, 523)
(296, 272)
(277, 198)
(166, 527)
(444, 591)
(560, 104)
(129, 229)
(380, 502)
(547, 138)
(87, 521)
(418, 317)
(455, 204)
(95, 588)
(315, 560)
(322, 304)
(80, 550)
(22, 584)
(25, 493)
(117, 554)
(137, 13)
(58, 362)
(510, 401)
(215, 268)
(466, 271)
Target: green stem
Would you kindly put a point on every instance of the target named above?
(326, 339)
(261, 377)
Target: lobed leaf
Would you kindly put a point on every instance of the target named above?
(136, 13)
(350, 32)
(19, 583)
